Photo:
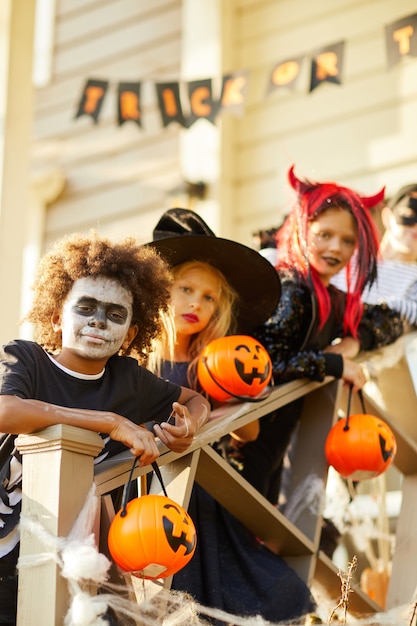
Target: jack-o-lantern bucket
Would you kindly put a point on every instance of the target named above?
(360, 447)
(153, 538)
(236, 366)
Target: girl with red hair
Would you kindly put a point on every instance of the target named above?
(317, 330)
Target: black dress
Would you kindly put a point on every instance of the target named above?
(232, 571)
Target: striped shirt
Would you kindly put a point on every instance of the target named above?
(396, 285)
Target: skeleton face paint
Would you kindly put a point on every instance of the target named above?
(95, 319)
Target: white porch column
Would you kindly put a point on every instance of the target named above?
(16, 93)
(200, 144)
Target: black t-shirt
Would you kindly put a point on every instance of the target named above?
(125, 387)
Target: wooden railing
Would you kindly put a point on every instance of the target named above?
(59, 473)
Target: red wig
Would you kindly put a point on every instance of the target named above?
(313, 199)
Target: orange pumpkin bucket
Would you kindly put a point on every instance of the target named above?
(361, 446)
(151, 536)
(236, 366)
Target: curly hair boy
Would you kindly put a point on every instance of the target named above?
(95, 303)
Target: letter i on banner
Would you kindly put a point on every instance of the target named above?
(170, 103)
(327, 65)
(128, 105)
(401, 39)
(92, 98)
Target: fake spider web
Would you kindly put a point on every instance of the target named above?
(81, 564)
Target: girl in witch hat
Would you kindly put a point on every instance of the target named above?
(221, 287)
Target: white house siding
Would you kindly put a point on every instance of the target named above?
(117, 178)
(362, 133)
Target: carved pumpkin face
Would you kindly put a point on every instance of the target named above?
(364, 450)
(155, 539)
(237, 365)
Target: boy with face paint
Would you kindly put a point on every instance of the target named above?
(95, 303)
(396, 284)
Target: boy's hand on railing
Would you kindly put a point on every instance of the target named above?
(177, 436)
(140, 441)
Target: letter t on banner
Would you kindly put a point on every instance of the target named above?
(327, 65)
(92, 98)
(401, 39)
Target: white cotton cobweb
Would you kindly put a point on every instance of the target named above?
(86, 610)
(82, 561)
(307, 496)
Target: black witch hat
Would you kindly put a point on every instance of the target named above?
(182, 235)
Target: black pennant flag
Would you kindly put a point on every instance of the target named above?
(170, 103)
(284, 74)
(401, 39)
(234, 92)
(327, 65)
(92, 98)
(128, 104)
(202, 105)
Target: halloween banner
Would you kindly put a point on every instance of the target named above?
(327, 65)
(128, 103)
(186, 103)
(92, 98)
(401, 39)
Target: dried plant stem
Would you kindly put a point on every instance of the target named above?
(345, 591)
(413, 614)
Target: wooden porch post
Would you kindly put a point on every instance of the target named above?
(58, 472)
(16, 96)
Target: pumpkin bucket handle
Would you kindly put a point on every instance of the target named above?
(126, 490)
(230, 393)
(360, 394)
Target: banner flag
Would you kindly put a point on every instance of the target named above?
(128, 103)
(284, 74)
(202, 104)
(327, 65)
(401, 39)
(92, 98)
(170, 103)
(234, 92)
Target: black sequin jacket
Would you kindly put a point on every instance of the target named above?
(295, 344)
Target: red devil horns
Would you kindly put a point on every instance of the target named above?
(370, 201)
(298, 185)
(303, 187)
